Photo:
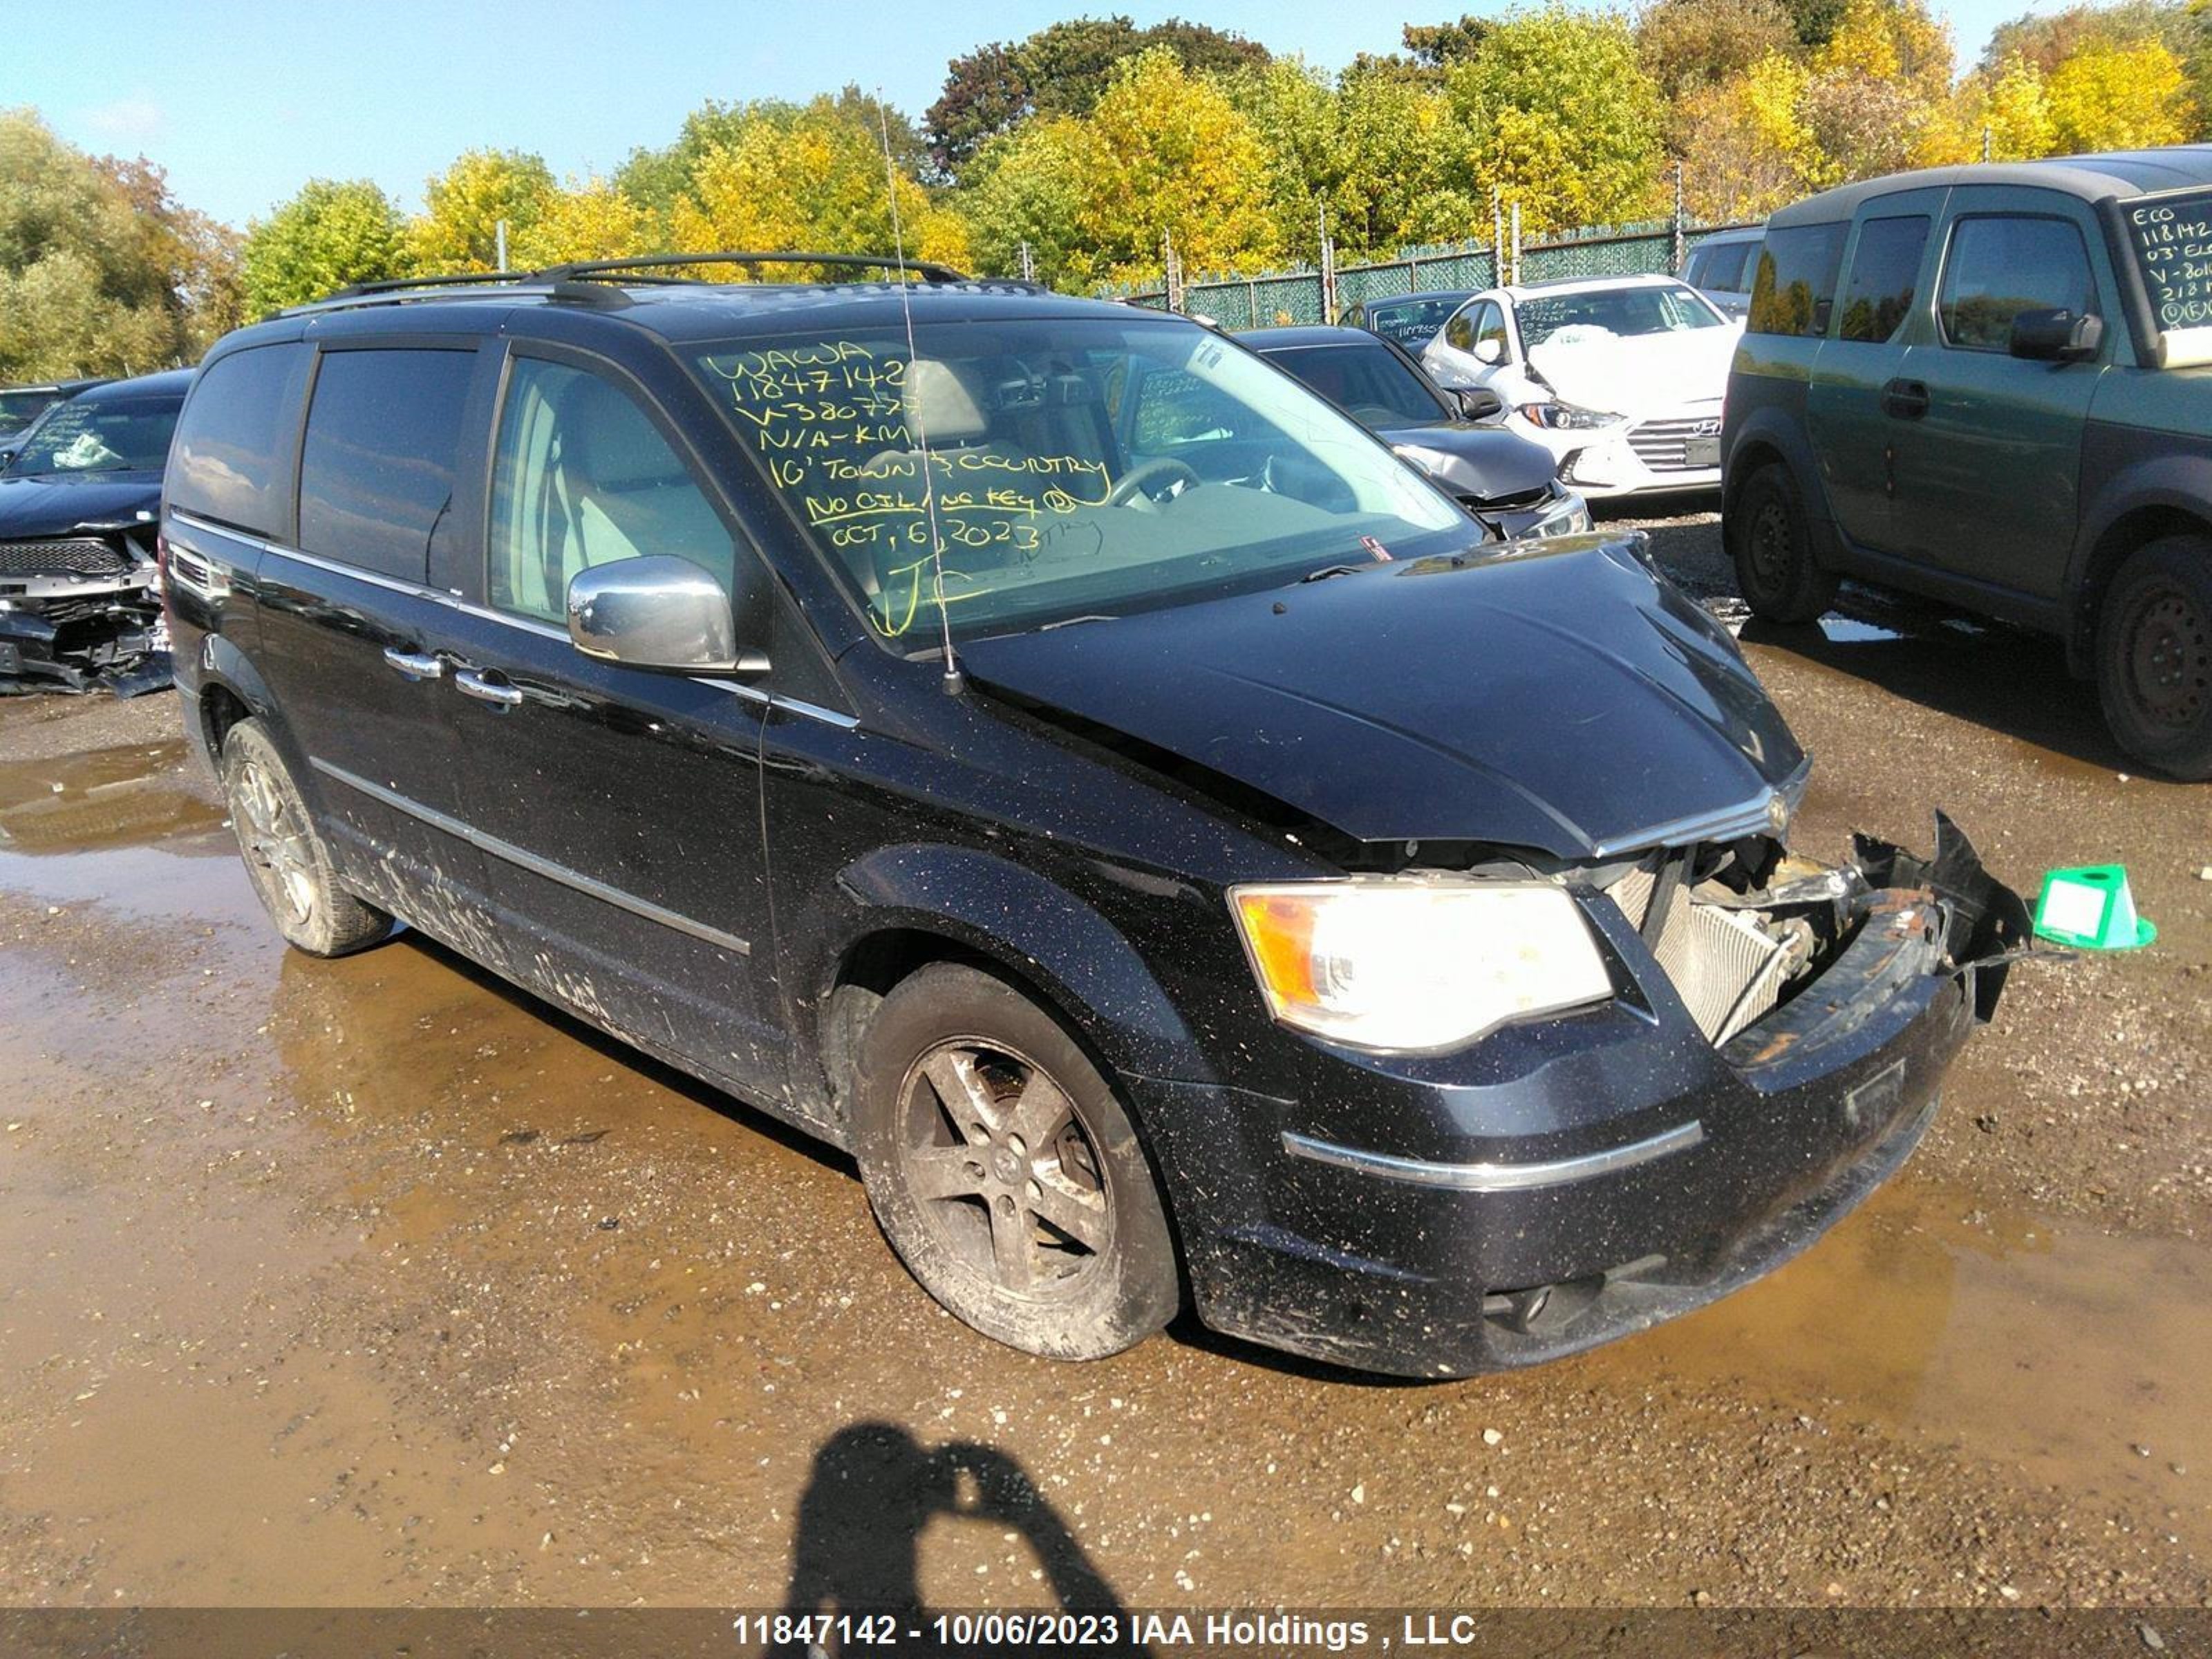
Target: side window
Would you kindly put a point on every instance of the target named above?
(581, 477)
(376, 466)
(1459, 332)
(1490, 325)
(234, 436)
(1794, 284)
(1885, 265)
(1723, 268)
(1998, 267)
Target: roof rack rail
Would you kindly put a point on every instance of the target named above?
(398, 284)
(927, 269)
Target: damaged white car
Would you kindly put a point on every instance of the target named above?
(1619, 377)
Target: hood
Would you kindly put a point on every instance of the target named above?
(1482, 461)
(53, 504)
(1637, 373)
(1558, 695)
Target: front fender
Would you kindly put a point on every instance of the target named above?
(1020, 919)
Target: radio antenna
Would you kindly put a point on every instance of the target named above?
(954, 683)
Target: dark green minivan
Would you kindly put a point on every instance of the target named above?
(1992, 385)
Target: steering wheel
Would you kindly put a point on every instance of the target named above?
(1138, 480)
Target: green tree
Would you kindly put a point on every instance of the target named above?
(463, 206)
(331, 235)
(101, 272)
(1063, 69)
(1561, 118)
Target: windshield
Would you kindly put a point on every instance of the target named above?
(103, 434)
(1370, 383)
(1073, 469)
(1413, 321)
(1596, 314)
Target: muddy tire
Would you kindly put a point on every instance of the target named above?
(2154, 656)
(1775, 569)
(1005, 1174)
(285, 857)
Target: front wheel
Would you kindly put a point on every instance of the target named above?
(285, 858)
(1004, 1173)
(1775, 569)
(2154, 656)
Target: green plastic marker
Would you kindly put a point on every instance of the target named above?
(2091, 908)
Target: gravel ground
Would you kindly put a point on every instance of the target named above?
(374, 1283)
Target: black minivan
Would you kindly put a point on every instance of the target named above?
(1037, 746)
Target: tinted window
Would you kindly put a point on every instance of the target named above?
(1998, 268)
(1368, 382)
(376, 470)
(1794, 283)
(235, 437)
(1884, 267)
(582, 477)
(1721, 267)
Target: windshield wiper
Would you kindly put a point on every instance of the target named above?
(1328, 570)
(1070, 622)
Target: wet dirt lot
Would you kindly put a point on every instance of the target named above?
(373, 1282)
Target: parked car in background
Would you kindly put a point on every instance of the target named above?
(79, 506)
(1992, 385)
(1619, 377)
(1406, 320)
(1720, 267)
(21, 405)
(1383, 939)
(1508, 483)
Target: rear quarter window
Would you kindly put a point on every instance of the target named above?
(1885, 266)
(376, 466)
(1793, 286)
(233, 441)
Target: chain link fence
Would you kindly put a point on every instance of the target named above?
(1282, 298)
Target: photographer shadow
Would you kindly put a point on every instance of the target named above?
(872, 1493)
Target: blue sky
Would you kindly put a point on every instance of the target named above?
(242, 101)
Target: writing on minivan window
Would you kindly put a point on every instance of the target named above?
(860, 440)
(1074, 468)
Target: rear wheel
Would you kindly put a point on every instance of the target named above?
(1775, 569)
(2154, 656)
(285, 858)
(1004, 1172)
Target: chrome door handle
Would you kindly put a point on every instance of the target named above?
(471, 684)
(415, 664)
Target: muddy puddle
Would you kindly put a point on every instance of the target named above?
(2083, 1360)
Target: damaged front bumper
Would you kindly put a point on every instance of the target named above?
(79, 611)
(1592, 1176)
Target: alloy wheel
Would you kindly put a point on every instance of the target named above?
(275, 841)
(997, 1157)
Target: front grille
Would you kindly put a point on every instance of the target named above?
(79, 555)
(1662, 444)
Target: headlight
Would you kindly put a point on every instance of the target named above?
(1392, 963)
(1567, 515)
(1566, 417)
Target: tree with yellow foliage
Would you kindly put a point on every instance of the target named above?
(586, 220)
(458, 228)
(810, 177)
(2113, 97)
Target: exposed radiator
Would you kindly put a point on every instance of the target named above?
(1728, 971)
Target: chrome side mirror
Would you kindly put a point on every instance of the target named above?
(656, 612)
